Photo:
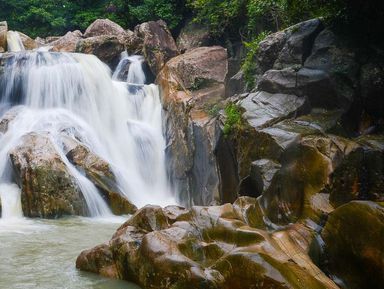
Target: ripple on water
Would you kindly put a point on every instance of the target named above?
(42, 253)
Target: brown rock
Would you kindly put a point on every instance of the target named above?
(193, 35)
(158, 44)
(100, 173)
(67, 43)
(3, 36)
(47, 188)
(354, 248)
(28, 42)
(107, 48)
(104, 27)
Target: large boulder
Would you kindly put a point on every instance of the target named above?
(104, 27)
(206, 247)
(106, 47)
(28, 42)
(191, 84)
(100, 173)
(158, 44)
(193, 35)
(3, 36)
(66, 43)
(353, 243)
(360, 175)
(47, 188)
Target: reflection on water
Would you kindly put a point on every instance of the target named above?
(42, 253)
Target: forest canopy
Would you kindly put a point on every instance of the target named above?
(228, 18)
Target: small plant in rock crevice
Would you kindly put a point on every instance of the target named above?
(233, 118)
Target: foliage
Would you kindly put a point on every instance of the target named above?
(249, 63)
(50, 17)
(233, 118)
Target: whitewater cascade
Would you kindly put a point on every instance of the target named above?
(75, 94)
(14, 43)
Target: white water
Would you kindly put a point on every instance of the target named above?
(74, 95)
(14, 43)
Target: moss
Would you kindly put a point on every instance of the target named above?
(233, 118)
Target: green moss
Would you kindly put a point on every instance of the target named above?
(233, 118)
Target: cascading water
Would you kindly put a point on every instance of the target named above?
(14, 43)
(74, 94)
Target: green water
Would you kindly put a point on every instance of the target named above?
(41, 254)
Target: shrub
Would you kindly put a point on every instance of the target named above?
(233, 118)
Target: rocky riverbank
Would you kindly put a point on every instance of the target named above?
(283, 181)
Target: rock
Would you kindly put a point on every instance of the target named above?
(28, 42)
(263, 109)
(372, 88)
(133, 43)
(193, 35)
(360, 176)
(102, 261)
(100, 173)
(333, 56)
(8, 117)
(354, 250)
(107, 48)
(262, 172)
(206, 247)
(269, 50)
(191, 84)
(3, 36)
(67, 43)
(47, 188)
(298, 45)
(104, 27)
(314, 84)
(158, 44)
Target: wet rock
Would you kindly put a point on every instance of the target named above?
(28, 42)
(212, 248)
(158, 44)
(100, 173)
(333, 56)
(360, 176)
(106, 47)
(263, 109)
(8, 117)
(102, 261)
(191, 85)
(312, 83)
(66, 43)
(372, 88)
(3, 36)
(262, 172)
(298, 45)
(47, 188)
(104, 27)
(193, 35)
(353, 237)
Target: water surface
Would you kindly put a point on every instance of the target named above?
(41, 254)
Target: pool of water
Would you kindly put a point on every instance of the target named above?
(41, 254)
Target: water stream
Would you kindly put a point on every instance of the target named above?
(65, 95)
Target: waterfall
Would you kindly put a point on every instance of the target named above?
(14, 42)
(75, 94)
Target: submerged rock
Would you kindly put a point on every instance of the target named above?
(206, 247)
(47, 188)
